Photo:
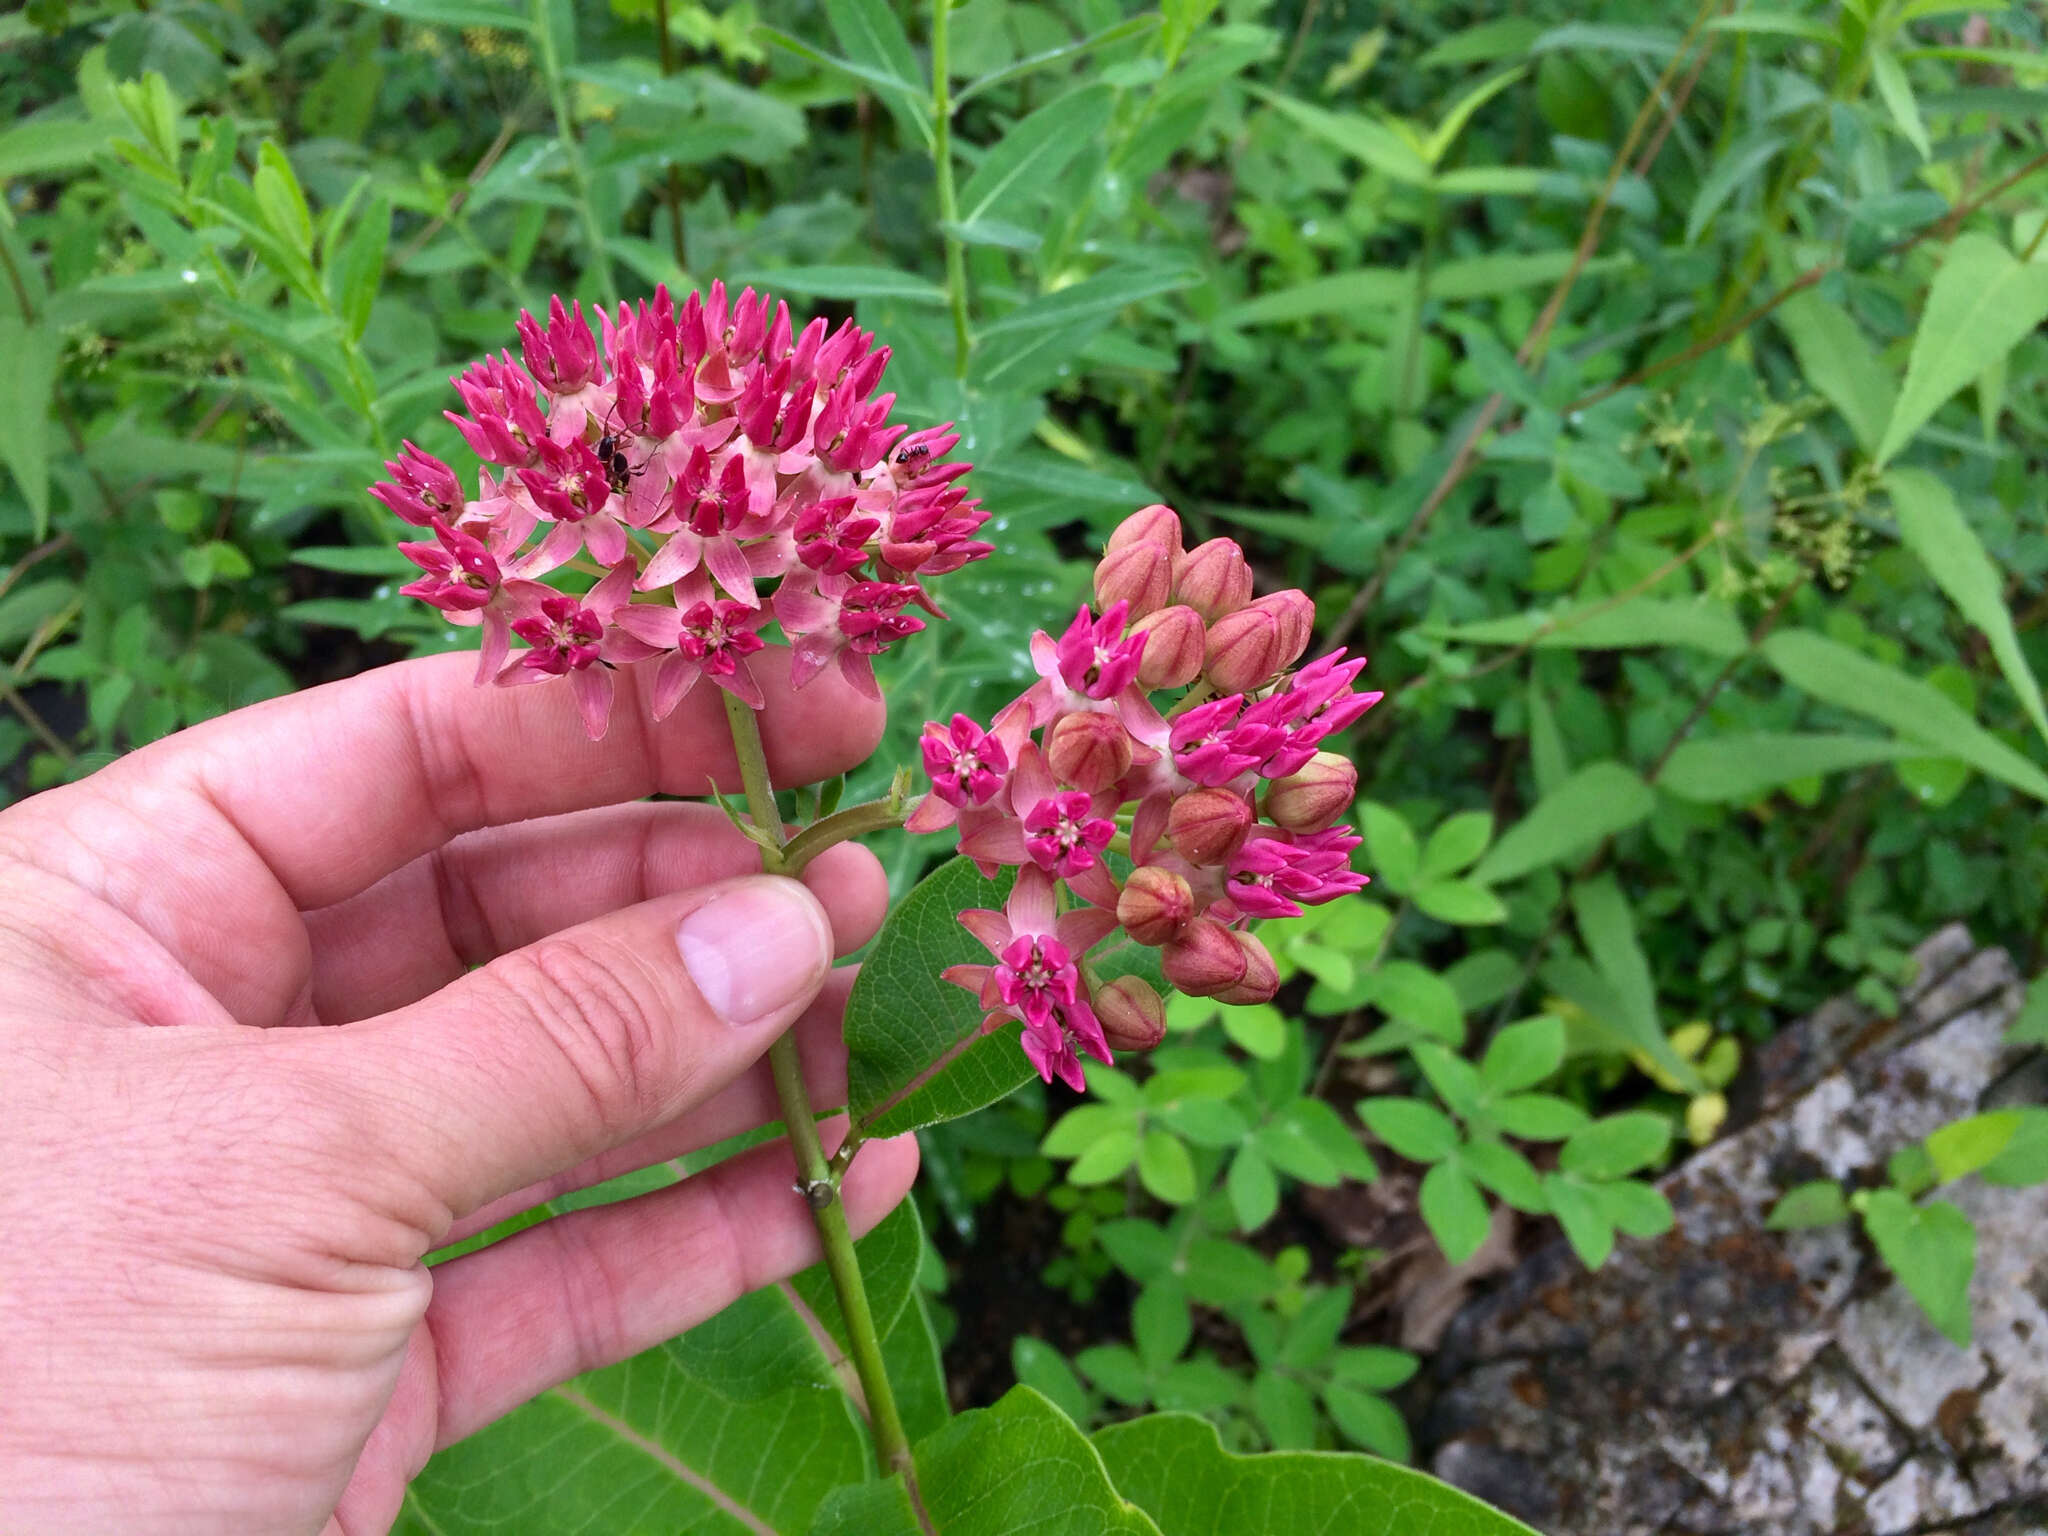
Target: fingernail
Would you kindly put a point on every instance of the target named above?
(756, 948)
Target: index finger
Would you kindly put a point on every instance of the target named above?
(336, 787)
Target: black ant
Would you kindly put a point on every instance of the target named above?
(619, 470)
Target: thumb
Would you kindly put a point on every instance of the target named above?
(592, 1036)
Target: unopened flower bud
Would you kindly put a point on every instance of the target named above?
(1213, 579)
(1206, 825)
(1090, 751)
(1243, 650)
(1295, 612)
(1156, 524)
(1314, 796)
(1132, 1016)
(1176, 644)
(1261, 978)
(1155, 905)
(1139, 575)
(1206, 960)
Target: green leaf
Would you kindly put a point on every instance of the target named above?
(1285, 1411)
(1091, 298)
(1081, 1127)
(1026, 160)
(1414, 994)
(1835, 359)
(1506, 1172)
(1254, 1191)
(1819, 1203)
(1586, 1226)
(1365, 288)
(915, 1051)
(1964, 1146)
(1617, 1145)
(1377, 144)
(1915, 709)
(1598, 801)
(1446, 132)
(1368, 1421)
(1697, 624)
(1389, 846)
(354, 280)
(1105, 1158)
(1897, 93)
(1454, 1211)
(1420, 1132)
(1650, 42)
(2024, 1159)
(27, 382)
(45, 145)
(1739, 166)
(1537, 1116)
(1506, 37)
(1523, 1055)
(1932, 1248)
(1633, 1207)
(1608, 926)
(869, 32)
(847, 283)
(1161, 1324)
(1259, 1029)
(1165, 1168)
(1044, 1369)
(452, 13)
(1456, 844)
(1934, 528)
(1175, 1468)
(1461, 902)
(1983, 301)
(1021, 1465)
(282, 200)
(1736, 770)
(1222, 1274)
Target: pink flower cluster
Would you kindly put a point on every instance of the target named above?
(712, 467)
(1084, 765)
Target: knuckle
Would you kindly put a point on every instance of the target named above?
(596, 1002)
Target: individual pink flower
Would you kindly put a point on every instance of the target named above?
(1062, 833)
(575, 637)
(1036, 977)
(1317, 702)
(832, 536)
(966, 764)
(1095, 657)
(421, 488)
(572, 487)
(505, 424)
(461, 576)
(1214, 743)
(705, 508)
(1275, 874)
(832, 618)
(706, 636)
(563, 357)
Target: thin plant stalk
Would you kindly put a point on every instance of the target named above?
(949, 199)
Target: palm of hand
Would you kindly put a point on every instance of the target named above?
(213, 1310)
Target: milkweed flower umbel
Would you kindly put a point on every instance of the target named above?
(713, 466)
(1222, 806)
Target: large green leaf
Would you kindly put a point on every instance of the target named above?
(915, 1051)
(26, 379)
(1173, 1466)
(1020, 1466)
(1850, 680)
(741, 1425)
(1983, 302)
(1598, 801)
(1837, 360)
(1734, 770)
(1934, 528)
(1025, 160)
(1698, 624)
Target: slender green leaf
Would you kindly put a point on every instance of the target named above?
(1735, 770)
(1025, 161)
(1697, 624)
(1741, 165)
(1934, 528)
(1915, 709)
(847, 283)
(1982, 303)
(27, 379)
(1896, 91)
(1598, 801)
(1835, 359)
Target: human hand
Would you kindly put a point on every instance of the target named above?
(213, 1310)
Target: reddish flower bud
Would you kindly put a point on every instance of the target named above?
(1295, 612)
(1261, 979)
(1206, 960)
(1090, 752)
(1314, 796)
(1176, 643)
(1132, 1016)
(1213, 579)
(1243, 650)
(1139, 575)
(1156, 524)
(1155, 905)
(1206, 825)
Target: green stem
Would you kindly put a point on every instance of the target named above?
(572, 148)
(949, 202)
(854, 821)
(814, 1174)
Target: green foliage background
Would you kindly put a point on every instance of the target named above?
(1655, 394)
